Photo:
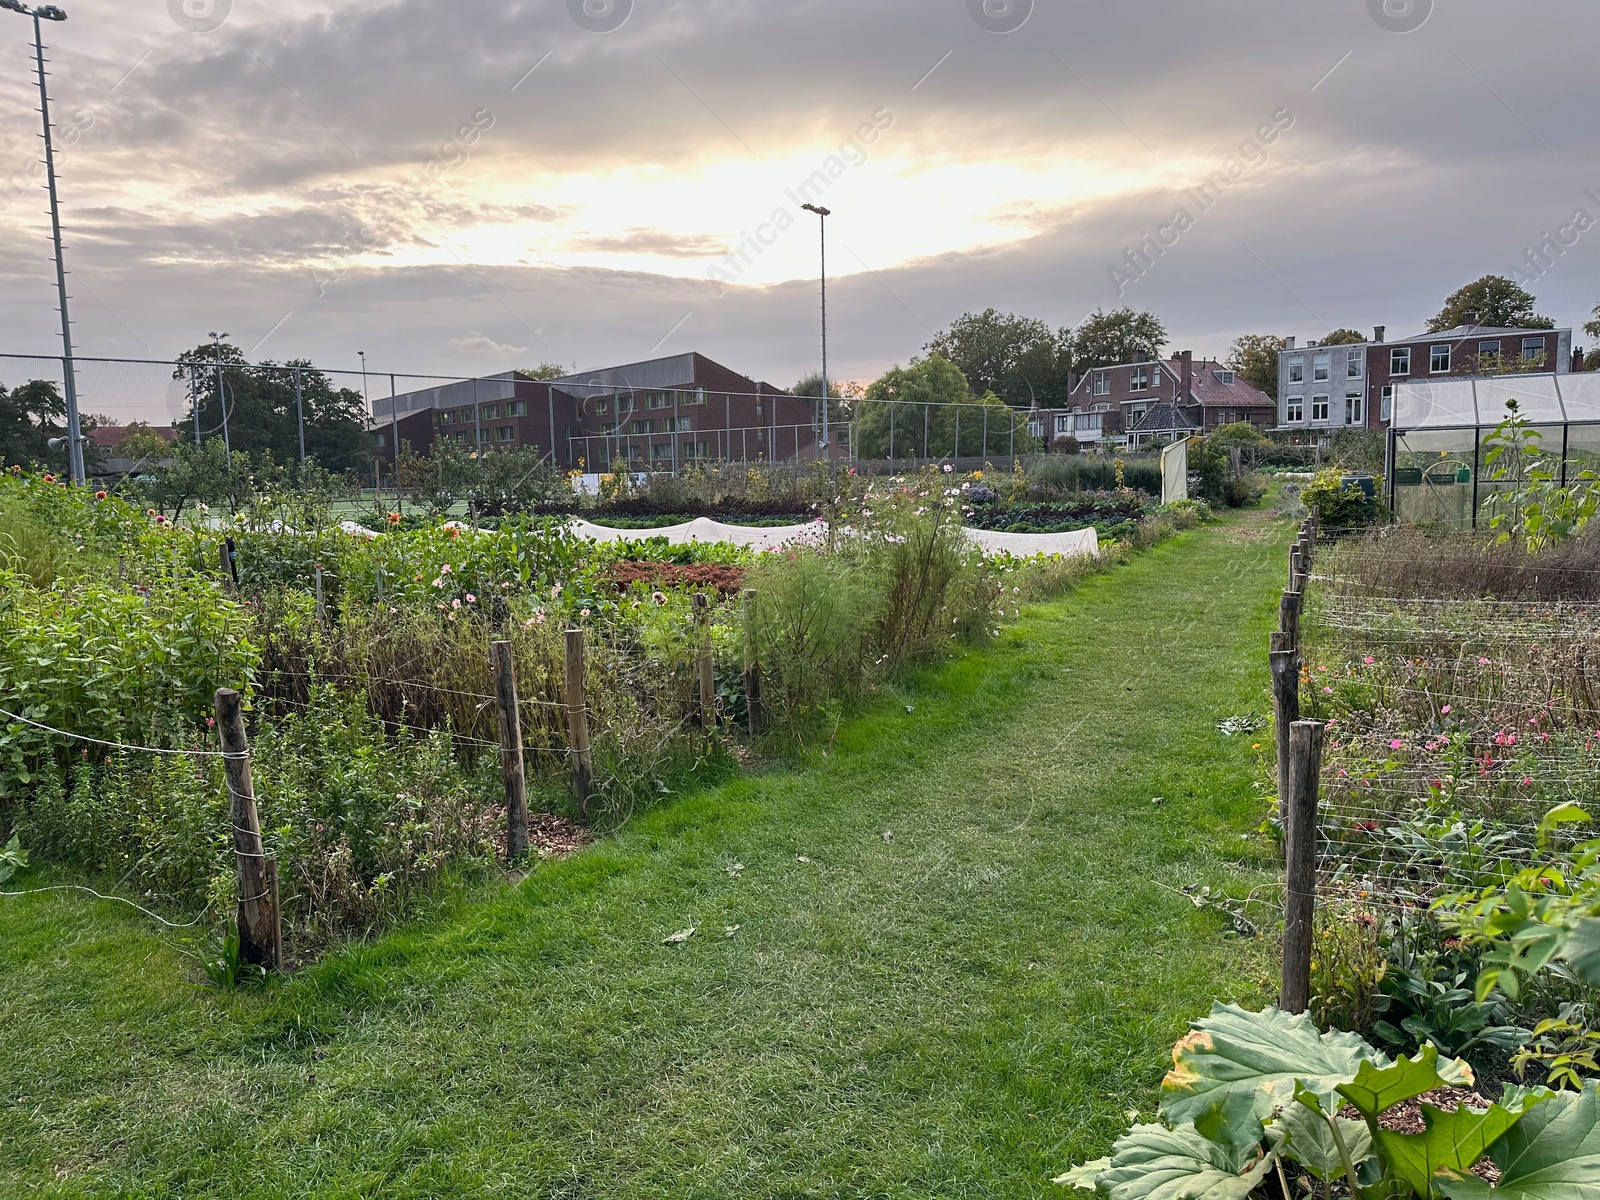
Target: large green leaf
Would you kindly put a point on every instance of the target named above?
(1376, 1089)
(1451, 1142)
(1153, 1162)
(1311, 1142)
(1236, 1067)
(1583, 948)
(1085, 1175)
(1553, 1153)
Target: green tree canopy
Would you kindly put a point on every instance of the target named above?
(545, 370)
(262, 413)
(1343, 337)
(1254, 359)
(929, 404)
(1108, 338)
(1498, 301)
(1019, 358)
(30, 415)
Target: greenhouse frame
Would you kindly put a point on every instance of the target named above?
(1436, 464)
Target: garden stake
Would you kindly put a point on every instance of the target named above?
(752, 666)
(1300, 892)
(703, 665)
(260, 926)
(511, 767)
(1285, 712)
(578, 723)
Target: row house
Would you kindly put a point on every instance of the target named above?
(1145, 403)
(656, 414)
(1323, 388)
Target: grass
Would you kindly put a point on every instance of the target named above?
(959, 994)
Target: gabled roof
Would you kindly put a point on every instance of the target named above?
(1163, 417)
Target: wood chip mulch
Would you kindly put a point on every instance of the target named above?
(549, 835)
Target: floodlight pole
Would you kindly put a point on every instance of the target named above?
(822, 225)
(68, 370)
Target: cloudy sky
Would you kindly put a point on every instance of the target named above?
(459, 187)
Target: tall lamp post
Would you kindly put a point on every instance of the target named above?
(50, 12)
(822, 225)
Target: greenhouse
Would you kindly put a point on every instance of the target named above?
(1439, 441)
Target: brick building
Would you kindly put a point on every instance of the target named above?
(1338, 387)
(655, 414)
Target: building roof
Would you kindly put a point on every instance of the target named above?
(1162, 418)
(1475, 331)
(1207, 387)
(109, 437)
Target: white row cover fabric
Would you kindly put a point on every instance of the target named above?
(1470, 403)
(1076, 544)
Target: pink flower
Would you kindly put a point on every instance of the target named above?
(445, 570)
(504, 586)
(555, 591)
(583, 612)
(1483, 662)
(1445, 709)
(455, 604)
(471, 599)
(1396, 744)
(1327, 691)
(661, 599)
(1527, 781)
(1369, 660)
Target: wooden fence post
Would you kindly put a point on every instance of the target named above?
(703, 663)
(752, 666)
(1289, 616)
(578, 722)
(511, 766)
(259, 921)
(1285, 712)
(1294, 567)
(1300, 892)
(230, 568)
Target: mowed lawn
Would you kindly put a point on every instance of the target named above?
(954, 970)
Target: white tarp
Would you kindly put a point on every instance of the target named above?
(1175, 472)
(1078, 543)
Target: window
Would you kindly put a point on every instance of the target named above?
(1138, 378)
(1100, 408)
(658, 400)
(484, 435)
(1319, 408)
(1355, 409)
(1102, 383)
(699, 449)
(678, 424)
(1036, 427)
(624, 404)
(517, 408)
(640, 425)
(1438, 359)
(1088, 421)
(1320, 365)
(1155, 377)
(383, 439)
(608, 429)
(602, 405)
(1063, 425)
(1489, 350)
(698, 396)
(1297, 368)
(1224, 376)
(1352, 364)
(1400, 361)
(491, 412)
(1294, 411)
(506, 433)
(1386, 402)
(447, 417)
(661, 451)
(1532, 349)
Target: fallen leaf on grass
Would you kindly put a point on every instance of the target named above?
(730, 931)
(734, 870)
(679, 938)
(801, 858)
(888, 835)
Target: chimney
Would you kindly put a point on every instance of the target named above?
(1188, 377)
(1288, 343)
(1378, 332)
(1470, 318)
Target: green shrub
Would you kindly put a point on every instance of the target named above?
(1339, 505)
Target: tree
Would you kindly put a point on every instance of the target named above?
(930, 399)
(1498, 302)
(1592, 325)
(1019, 358)
(1342, 337)
(1254, 359)
(1108, 338)
(141, 443)
(30, 415)
(545, 370)
(263, 413)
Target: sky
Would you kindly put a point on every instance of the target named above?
(456, 189)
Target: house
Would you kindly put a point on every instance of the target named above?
(653, 414)
(1147, 403)
(1352, 386)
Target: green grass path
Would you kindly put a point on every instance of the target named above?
(958, 995)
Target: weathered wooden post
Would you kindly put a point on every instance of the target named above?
(752, 666)
(511, 766)
(578, 722)
(230, 569)
(1300, 892)
(703, 663)
(1285, 712)
(259, 922)
(1294, 567)
(1289, 616)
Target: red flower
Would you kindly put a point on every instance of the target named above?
(455, 531)
(394, 518)
(49, 478)
(100, 495)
